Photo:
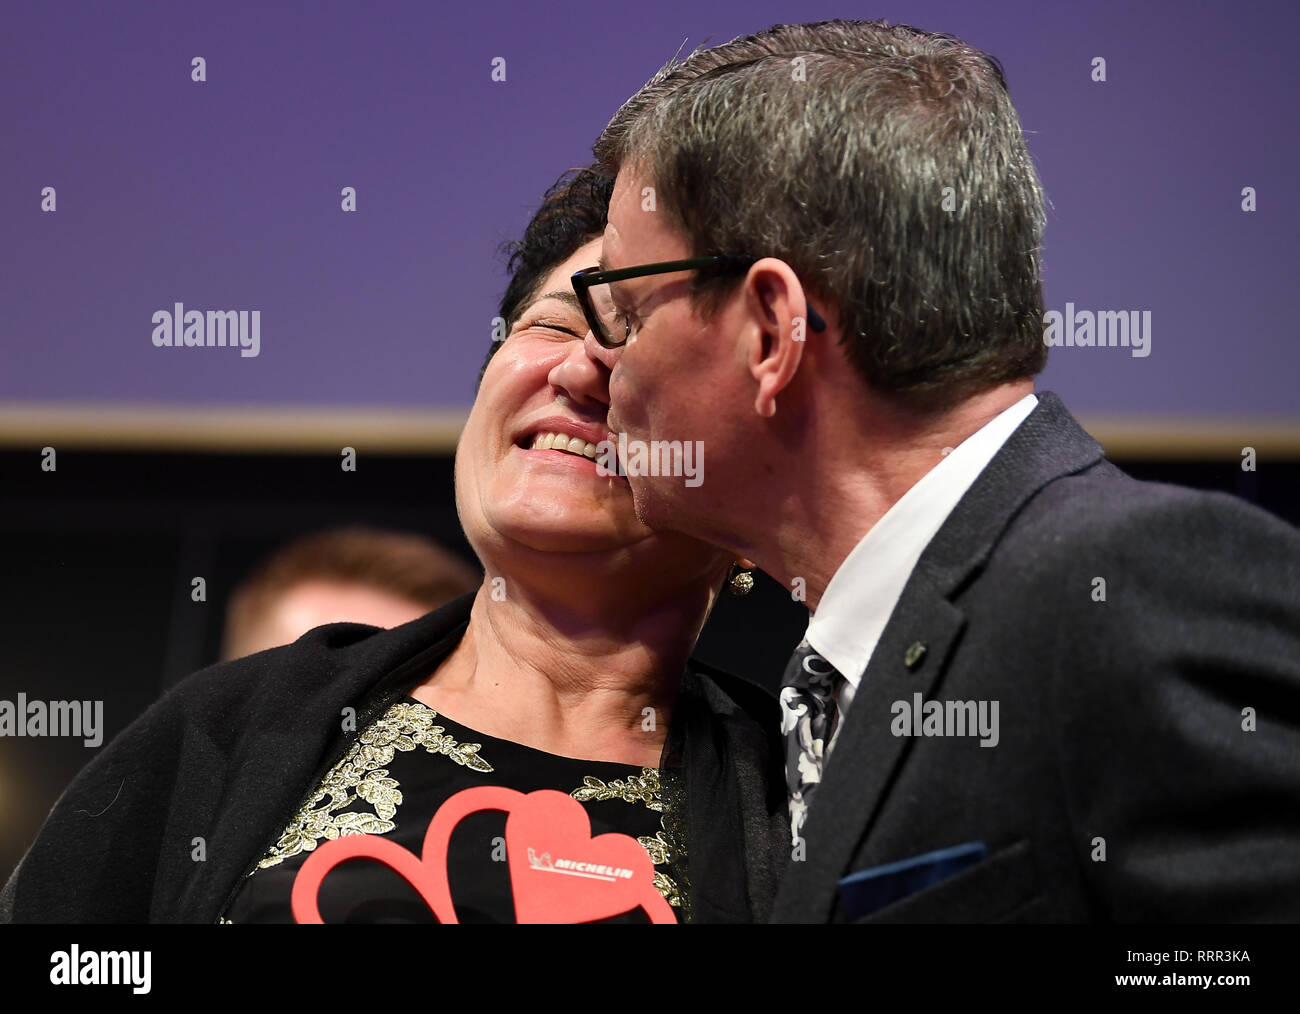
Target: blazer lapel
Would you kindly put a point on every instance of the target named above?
(865, 753)
(914, 651)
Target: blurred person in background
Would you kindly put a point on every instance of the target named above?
(357, 574)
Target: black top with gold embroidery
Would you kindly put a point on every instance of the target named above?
(391, 782)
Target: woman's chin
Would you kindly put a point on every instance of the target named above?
(555, 536)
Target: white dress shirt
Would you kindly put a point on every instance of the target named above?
(862, 593)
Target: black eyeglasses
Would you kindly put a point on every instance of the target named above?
(611, 326)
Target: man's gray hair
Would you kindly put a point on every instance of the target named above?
(885, 165)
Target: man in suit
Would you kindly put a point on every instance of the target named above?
(1032, 688)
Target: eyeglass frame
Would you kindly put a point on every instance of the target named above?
(583, 281)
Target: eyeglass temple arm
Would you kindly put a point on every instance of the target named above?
(582, 279)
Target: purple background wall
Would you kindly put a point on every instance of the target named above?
(225, 194)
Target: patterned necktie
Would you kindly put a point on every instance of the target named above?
(808, 716)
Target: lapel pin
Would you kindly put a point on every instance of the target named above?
(914, 654)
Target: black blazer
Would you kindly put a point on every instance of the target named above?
(228, 754)
(1125, 784)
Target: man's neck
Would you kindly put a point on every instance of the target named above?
(830, 500)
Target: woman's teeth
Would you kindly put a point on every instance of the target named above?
(564, 442)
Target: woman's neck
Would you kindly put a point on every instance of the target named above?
(583, 676)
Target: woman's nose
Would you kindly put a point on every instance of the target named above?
(597, 352)
(583, 378)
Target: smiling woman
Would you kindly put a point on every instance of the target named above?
(496, 757)
(515, 488)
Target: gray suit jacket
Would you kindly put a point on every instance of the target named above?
(1143, 644)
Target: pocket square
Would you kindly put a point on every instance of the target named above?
(868, 891)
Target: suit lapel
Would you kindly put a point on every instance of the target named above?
(867, 756)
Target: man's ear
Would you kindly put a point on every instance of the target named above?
(777, 309)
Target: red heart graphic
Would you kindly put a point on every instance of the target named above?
(419, 873)
(558, 872)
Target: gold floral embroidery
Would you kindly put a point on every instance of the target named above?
(642, 788)
(666, 886)
(656, 846)
(363, 774)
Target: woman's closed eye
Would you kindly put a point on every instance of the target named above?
(553, 327)
(570, 328)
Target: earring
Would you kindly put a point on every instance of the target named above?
(742, 583)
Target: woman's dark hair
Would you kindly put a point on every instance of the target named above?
(572, 213)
